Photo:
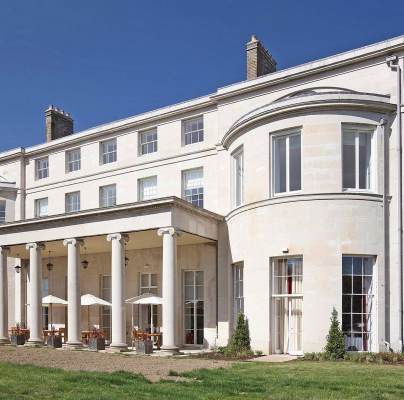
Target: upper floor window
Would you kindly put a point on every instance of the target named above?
(287, 160)
(42, 168)
(2, 211)
(148, 141)
(41, 207)
(73, 160)
(72, 202)
(192, 181)
(238, 176)
(357, 159)
(147, 188)
(108, 196)
(108, 151)
(192, 130)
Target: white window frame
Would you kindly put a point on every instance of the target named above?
(108, 157)
(237, 154)
(3, 206)
(238, 299)
(356, 130)
(145, 144)
(140, 188)
(73, 164)
(184, 196)
(101, 195)
(373, 334)
(41, 172)
(149, 288)
(37, 207)
(69, 201)
(199, 132)
(287, 134)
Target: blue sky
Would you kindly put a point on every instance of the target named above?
(105, 60)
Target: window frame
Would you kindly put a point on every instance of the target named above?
(200, 132)
(67, 195)
(101, 188)
(372, 333)
(38, 170)
(356, 129)
(154, 143)
(184, 196)
(140, 188)
(107, 154)
(36, 207)
(238, 301)
(3, 211)
(234, 155)
(69, 163)
(287, 133)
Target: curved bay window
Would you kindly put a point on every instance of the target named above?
(357, 302)
(287, 293)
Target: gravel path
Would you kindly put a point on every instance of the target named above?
(153, 368)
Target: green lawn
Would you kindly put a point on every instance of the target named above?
(295, 380)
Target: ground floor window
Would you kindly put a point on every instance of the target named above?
(357, 302)
(105, 311)
(287, 300)
(193, 307)
(149, 314)
(45, 310)
(238, 290)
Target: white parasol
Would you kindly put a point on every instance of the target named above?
(91, 300)
(50, 300)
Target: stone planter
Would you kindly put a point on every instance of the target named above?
(17, 339)
(144, 346)
(96, 343)
(54, 341)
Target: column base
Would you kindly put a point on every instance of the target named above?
(170, 350)
(4, 341)
(117, 348)
(34, 343)
(74, 345)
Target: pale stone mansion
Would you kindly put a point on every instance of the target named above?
(279, 196)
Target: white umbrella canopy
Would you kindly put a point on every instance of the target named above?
(50, 301)
(91, 300)
(152, 300)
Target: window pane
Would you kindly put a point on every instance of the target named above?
(295, 173)
(280, 164)
(364, 160)
(346, 265)
(147, 188)
(192, 130)
(348, 156)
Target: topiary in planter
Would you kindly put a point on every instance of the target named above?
(240, 343)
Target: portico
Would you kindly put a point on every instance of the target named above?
(170, 233)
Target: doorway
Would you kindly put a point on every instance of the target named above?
(193, 307)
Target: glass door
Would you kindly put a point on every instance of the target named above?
(288, 305)
(193, 307)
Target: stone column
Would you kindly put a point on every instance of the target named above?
(73, 292)
(118, 339)
(168, 288)
(3, 296)
(35, 303)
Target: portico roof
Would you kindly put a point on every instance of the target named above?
(126, 218)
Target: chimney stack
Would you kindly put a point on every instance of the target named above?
(259, 61)
(58, 123)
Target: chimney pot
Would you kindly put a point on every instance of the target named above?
(259, 60)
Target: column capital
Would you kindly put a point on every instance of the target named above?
(35, 245)
(118, 236)
(73, 241)
(4, 249)
(171, 230)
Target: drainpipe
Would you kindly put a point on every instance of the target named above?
(394, 65)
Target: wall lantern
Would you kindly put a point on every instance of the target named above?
(84, 263)
(126, 261)
(17, 268)
(49, 265)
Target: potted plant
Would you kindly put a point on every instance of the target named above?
(54, 339)
(17, 336)
(96, 340)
